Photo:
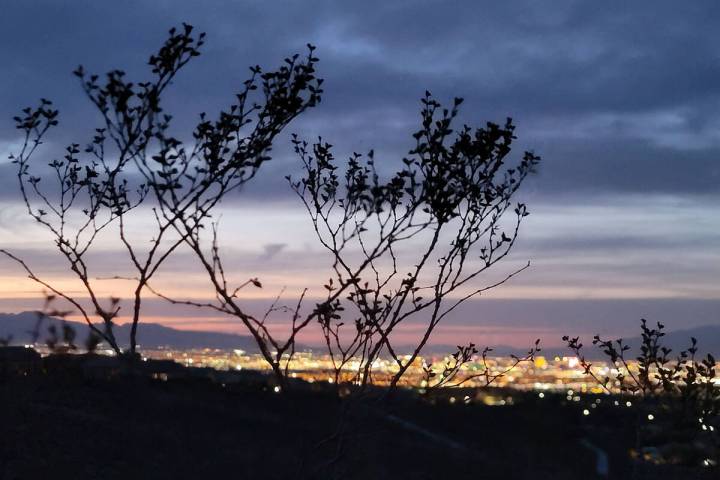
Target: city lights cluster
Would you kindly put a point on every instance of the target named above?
(557, 375)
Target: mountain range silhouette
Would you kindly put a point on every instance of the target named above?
(152, 335)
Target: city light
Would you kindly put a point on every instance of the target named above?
(554, 375)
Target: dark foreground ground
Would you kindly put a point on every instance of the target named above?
(69, 427)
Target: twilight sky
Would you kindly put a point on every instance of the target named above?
(622, 101)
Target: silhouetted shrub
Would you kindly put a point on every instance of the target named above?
(679, 392)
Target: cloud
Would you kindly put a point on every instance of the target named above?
(272, 249)
(586, 86)
(622, 104)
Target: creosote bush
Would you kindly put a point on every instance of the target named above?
(408, 241)
(98, 185)
(681, 390)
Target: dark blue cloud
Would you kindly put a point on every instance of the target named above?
(620, 73)
(622, 102)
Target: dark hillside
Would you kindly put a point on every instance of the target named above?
(121, 429)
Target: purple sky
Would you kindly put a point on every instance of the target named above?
(623, 105)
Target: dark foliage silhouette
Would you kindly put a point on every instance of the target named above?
(99, 186)
(681, 391)
(447, 204)
(60, 338)
(227, 154)
(95, 189)
(451, 373)
(450, 201)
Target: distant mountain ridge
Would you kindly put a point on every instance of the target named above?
(18, 326)
(708, 338)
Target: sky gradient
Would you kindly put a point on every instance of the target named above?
(621, 101)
